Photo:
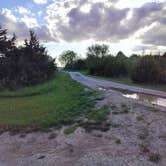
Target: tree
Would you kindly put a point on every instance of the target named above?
(146, 70)
(26, 65)
(98, 50)
(67, 57)
(78, 64)
(121, 64)
(96, 57)
(37, 66)
(6, 45)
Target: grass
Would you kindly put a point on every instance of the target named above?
(96, 119)
(128, 81)
(154, 157)
(100, 114)
(56, 102)
(118, 141)
(140, 118)
(70, 130)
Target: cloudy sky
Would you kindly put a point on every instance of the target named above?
(126, 25)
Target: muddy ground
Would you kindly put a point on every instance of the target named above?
(137, 137)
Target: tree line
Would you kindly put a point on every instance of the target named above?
(23, 65)
(99, 62)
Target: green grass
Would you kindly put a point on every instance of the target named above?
(155, 157)
(140, 118)
(128, 81)
(100, 114)
(70, 130)
(56, 102)
(118, 141)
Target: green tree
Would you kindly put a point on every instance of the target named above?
(67, 57)
(98, 50)
(26, 65)
(96, 58)
(6, 45)
(146, 70)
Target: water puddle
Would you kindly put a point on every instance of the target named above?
(155, 100)
(147, 98)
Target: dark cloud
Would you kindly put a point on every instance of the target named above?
(155, 36)
(102, 22)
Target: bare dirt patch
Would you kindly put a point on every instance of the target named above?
(136, 137)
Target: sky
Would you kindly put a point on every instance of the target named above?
(131, 26)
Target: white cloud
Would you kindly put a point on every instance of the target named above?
(39, 13)
(40, 1)
(30, 21)
(101, 20)
(22, 26)
(22, 10)
(8, 13)
(95, 20)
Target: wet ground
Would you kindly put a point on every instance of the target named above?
(148, 96)
(137, 137)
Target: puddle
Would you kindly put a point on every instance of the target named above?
(147, 98)
(101, 89)
(141, 97)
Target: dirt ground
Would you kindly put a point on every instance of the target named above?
(137, 137)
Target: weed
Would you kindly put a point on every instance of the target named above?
(154, 157)
(144, 148)
(118, 141)
(70, 130)
(100, 114)
(140, 118)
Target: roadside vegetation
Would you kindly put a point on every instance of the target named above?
(33, 94)
(128, 81)
(25, 65)
(147, 70)
(58, 106)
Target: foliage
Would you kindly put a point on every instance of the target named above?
(95, 58)
(100, 62)
(100, 114)
(154, 157)
(46, 109)
(141, 69)
(79, 64)
(67, 57)
(70, 130)
(98, 50)
(138, 69)
(146, 70)
(23, 66)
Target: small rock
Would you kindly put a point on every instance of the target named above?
(97, 133)
(41, 157)
(52, 136)
(22, 135)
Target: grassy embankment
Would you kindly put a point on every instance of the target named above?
(128, 81)
(56, 102)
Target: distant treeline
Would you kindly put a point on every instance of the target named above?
(25, 65)
(99, 62)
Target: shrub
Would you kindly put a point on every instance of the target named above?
(24, 66)
(146, 70)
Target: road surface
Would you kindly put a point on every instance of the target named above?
(97, 83)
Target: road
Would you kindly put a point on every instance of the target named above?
(98, 83)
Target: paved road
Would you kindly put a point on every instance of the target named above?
(96, 83)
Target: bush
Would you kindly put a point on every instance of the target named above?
(79, 64)
(146, 70)
(24, 66)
